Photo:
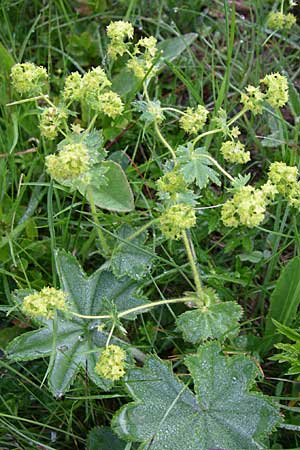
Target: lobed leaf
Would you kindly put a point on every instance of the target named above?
(216, 321)
(195, 166)
(222, 413)
(131, 258)
(74, 343)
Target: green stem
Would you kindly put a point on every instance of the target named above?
(31, 99)
(169, 108)
(102, 239)
(164, 141)
(92, 122)
(157, 130)
(110, 335)
(207, 133)
(193, 264)
(140, 230)
(136, 309)
(218, 166)
(237, 116)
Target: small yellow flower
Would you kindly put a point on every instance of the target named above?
(149, 44)
(253, 99)
(44, 303)
(247, 207)
(283, 177)
(235, 152)
(118, 32)
(70, 163)
(280, 21)
(176, 219)
(194, 119)
(50, 121)
(111, 104)
(172, 182)
(111, 364)
(28, 79)
(73, 87)
(138, 67)
(277, 89)
(269, 191)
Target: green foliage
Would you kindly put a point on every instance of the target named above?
(111, 192)
(152, 131)
(215, 321)
(284, 301)
(290, 353)
(195, 166)
(130, 257)
(223, 412)
(74, 343)
(102, 438)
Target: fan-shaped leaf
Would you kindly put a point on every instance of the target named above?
(222, 413)
(219, 321)
(73, 342)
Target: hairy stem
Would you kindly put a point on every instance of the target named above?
(143, 308)
(193, 264)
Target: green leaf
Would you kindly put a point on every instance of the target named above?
(77, 341)
(102, 438)
(195, 166)
(105, 180)
(290, 352)
(222, 413)
(8, 334)
(173, 47)
(219, 321)
(284, 302)
(131, 258)
(6, 63)
(113, 192)
(125, 82)
(276, 137)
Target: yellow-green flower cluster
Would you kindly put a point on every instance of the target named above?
(111, 104)
(111, 364)
(247, 207)
(277, 20)
(276, 94)
(118, 32)
(92, 89)
(44, 303)
(51, 120)
(70, 163)
(234, 152)
(28, 79)
(176, 219)
(194, 119)
(277, 89)
(253, 99)
(73, 87)
(142, 62)
(283, 177)
(171, 182)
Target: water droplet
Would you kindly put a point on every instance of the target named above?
(81, 338)
(175, 10)
(62, 348)
(53, 436)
